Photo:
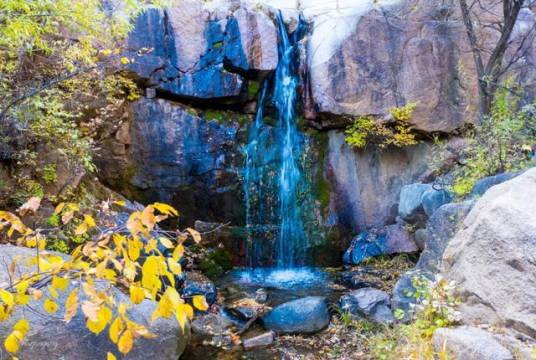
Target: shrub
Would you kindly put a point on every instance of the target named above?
(368, 130)
(436, 308)
(132, 255)
(503, 142)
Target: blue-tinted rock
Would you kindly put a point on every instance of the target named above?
(304, 316)
(251, 42)
(484, 184)
(392, 239)
(410, 207)
(363, 246)
(213, 83)
(434, 199)
(368, 302)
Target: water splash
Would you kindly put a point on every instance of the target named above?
(272, 159)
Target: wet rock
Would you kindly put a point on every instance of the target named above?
(261, 296)
(198, 284)
(302, 316)
(420, 238)
(176, 156)
(250, 43)
(51, 338)
(262, 340)
(392, 239)
(469, 343)
(486, 183)
(411, 207)
(369, 302)
(491, 259)
(355, 279)
(211, 325)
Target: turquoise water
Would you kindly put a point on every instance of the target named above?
(272, 172)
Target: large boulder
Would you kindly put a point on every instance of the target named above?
(50, 337)
(419, 201)
(302, 316)
(171, 153)
(366, 183)
(493, 258)
(441, 227)
(372, 55)
(482, 185)
(469, 343)
(199, 53)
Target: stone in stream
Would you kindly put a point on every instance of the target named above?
(306, 315)
(355, 279)
(369, 302)
(210, 325)
(265, 339)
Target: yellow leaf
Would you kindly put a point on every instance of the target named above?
(103, 318)
(200, 302)
(60, 283)
(166, 242)
(23, 326)
(137, 294)
(115, 329)
(174, 266)
(50, 306)
(67, 217)
(149, 273)
(124, 61)
(178, 252)
(147, 217)
(165, 209)
(81, 229)
(134, 248)
(53, 292)
(110, 356)
(71, 305)
(88, 219)
(59, 208)
(125, 342)
(7, 297)
(11, 343)
(22, 299)
(195, 235)
(106, 52)
(121, 203)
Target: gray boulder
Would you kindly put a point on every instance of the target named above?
(302, 316)
(482, 185)
(493, 259)
(469, 343)
(441, 227)
(50, 337)
(369, 302)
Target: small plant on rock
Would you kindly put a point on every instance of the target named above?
(398, 132)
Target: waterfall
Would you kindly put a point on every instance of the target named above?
(272, 164)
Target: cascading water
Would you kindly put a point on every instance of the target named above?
(272, 165)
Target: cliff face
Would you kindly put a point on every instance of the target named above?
(204, 64)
